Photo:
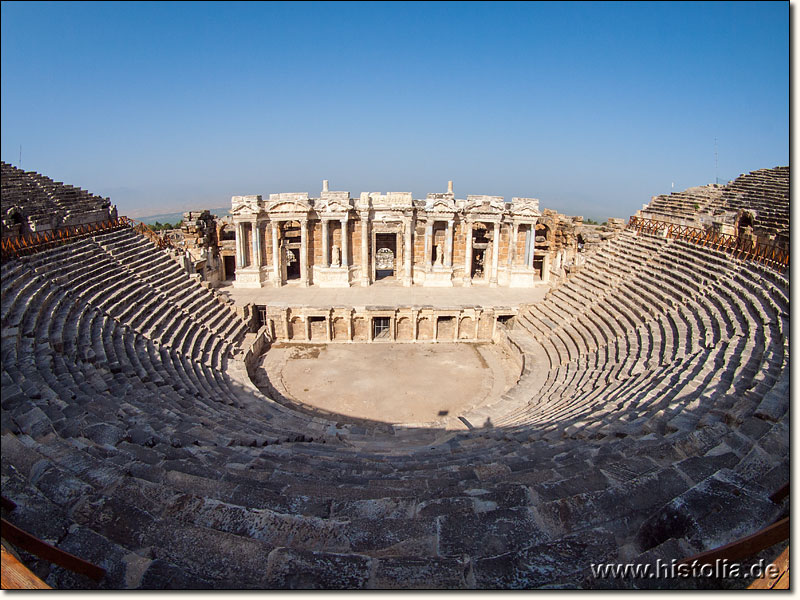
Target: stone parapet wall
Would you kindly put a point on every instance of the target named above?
(405, 324)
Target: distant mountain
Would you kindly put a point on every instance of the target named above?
(178, 216)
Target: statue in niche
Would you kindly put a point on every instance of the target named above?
(439, 255)
(336, 256)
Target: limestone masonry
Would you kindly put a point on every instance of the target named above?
(631, 406)
(338, 241)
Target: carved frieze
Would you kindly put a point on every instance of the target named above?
(525, 207)
(246, 205)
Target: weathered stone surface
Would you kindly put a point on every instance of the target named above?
(656, 559)
(489, 533)
(409, 573)
(546, 563)
(19, 455)
(117, 521)
(144, 435)
(633, 497)
(590, 480)
(34, 422)
(379, 508)
(698, 468)
(99, 551)
(132, 435)
(141, 453)
(228, 561)
(34, 512)
(498, 495)
(777, 440)
(60, 487)
(161, 575)
(714, 512)
(491, 471)
(371, 535)
(446, 506)
(298, 570)
(304, 533)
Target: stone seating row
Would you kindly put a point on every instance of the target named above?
(764, 192)
(701, 320)
(163, 482)
(41, 197)
(192, 327)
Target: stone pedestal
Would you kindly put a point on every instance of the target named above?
(332, 277)
(439, 277)
(251, 277)
(521, 277)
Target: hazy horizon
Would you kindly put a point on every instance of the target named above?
(591, 107)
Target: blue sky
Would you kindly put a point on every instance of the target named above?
(593, 108)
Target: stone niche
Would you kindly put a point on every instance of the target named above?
(385, 324)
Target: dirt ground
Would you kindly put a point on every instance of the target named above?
(391, 383)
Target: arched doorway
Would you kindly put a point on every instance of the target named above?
(480, 245)
(290, 249)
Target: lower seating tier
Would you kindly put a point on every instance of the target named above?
(657, 394)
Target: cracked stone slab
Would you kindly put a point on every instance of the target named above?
(489, 533)
(300, 569)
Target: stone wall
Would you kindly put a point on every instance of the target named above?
(406, 324)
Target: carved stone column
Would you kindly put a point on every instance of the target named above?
(304, 252)
(448, 254)
(512, 244)
(408, 252)
(366, 269)
(256, 241)
(468, 254)
(239, 245)
(428, 260)
(326, 250)
(276, 255)
(345, 245)
(495, 254)
(546, 267)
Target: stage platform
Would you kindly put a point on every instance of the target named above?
(386, 294)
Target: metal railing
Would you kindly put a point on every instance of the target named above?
(161, 242)
(776, 257)
(43, 240)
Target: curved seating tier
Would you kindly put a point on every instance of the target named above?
(41, 199)
(655, 383)
(764, 192)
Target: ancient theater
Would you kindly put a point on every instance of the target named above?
(370, 390)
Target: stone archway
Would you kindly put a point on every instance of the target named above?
(340, 329)
(425, 328)
(296, 329)
(466, 328)
(445, 329)
(360, 329)
(405, 329)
